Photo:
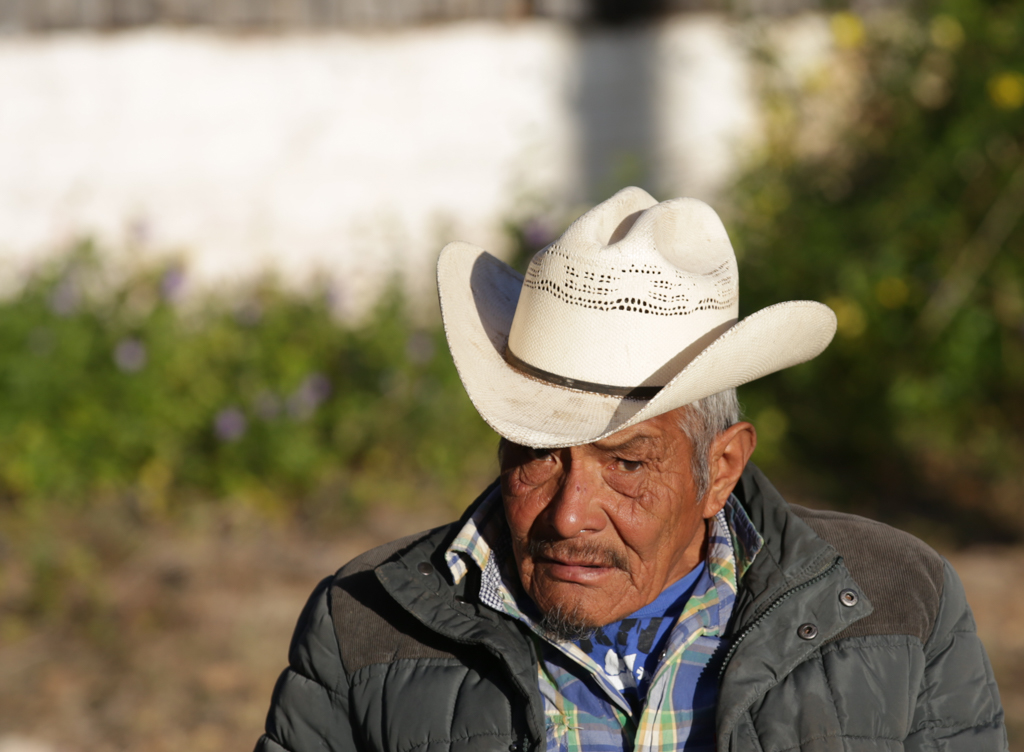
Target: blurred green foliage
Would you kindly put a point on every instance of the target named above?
(891, 186)
(118, 392)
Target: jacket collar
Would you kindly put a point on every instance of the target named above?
(792, 552)
(420, 582)
(795, 581)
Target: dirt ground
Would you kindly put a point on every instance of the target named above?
(202, 620)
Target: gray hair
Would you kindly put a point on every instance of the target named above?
(702, 421)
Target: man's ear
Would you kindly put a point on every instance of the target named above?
(729, 454)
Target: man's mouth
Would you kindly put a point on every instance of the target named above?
(575, 562)
(579, 573)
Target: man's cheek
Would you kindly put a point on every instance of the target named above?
(520, 512)
(628, 485)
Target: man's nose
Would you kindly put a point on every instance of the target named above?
(575, 508)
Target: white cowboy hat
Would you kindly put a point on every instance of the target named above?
(630, 314)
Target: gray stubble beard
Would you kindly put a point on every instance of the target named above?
(566, 623)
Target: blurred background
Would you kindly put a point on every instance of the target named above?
(222, 373)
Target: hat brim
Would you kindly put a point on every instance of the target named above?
(478, 295)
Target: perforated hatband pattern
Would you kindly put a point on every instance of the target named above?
(586, 283)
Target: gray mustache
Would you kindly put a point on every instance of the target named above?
(592, 554)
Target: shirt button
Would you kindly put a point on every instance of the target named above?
(425, 568)
(849, 598)
(514, 747)
(807, 631)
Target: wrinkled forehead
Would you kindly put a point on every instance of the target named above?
(663, 431)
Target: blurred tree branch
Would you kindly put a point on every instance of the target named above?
(975, 257)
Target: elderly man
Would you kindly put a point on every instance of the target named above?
(631, 582)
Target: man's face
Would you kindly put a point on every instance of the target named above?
(599, 530)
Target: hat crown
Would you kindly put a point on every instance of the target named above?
(626, 291)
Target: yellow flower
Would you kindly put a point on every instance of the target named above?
(946, 32)
(847, 30)
(850, 317)
(1006, 90)
(891, 292)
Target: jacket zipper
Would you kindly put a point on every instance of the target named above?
(764, 615)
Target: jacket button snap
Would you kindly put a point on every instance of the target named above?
(514, 747)
(849, 598)
(807, 631)
(425, 568)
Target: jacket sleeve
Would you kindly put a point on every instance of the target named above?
(309, 709)
(958, 704)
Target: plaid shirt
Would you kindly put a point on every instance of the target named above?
(582, 708)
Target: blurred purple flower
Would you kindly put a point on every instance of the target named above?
(230, 424)
(420, 348)
(64, 298)
(335, 298)
(130, 355)
(536, 233)
(268, 405)
(312, 393)
(172, 284)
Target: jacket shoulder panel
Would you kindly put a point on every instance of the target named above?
(901, 575)
(310, 695)
(370, 626)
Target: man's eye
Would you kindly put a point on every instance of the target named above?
(541, 454)
(630, 466)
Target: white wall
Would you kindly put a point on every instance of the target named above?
(341, 153)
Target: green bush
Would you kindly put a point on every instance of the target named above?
(120, 390)
(908, 225)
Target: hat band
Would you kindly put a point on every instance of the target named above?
(631, 392)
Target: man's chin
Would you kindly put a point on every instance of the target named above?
(567, 623)
(573, 610)
(570, 612)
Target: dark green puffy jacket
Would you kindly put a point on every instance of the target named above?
(388, 656)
